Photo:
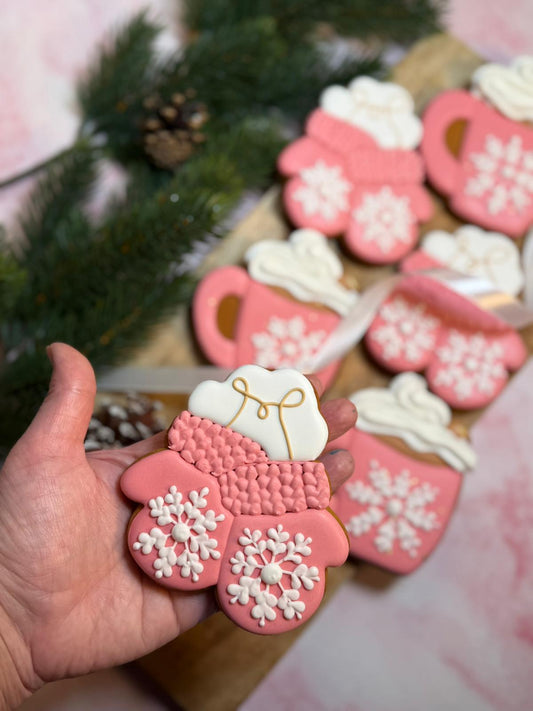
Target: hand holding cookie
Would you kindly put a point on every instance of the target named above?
(72, 598)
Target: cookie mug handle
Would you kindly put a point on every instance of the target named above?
(212, 290)
(442, 166)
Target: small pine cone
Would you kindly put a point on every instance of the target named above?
(172, 130)
(117, 423)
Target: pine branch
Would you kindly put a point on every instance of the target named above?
(111, 94)
(67, 183)
(400, 21)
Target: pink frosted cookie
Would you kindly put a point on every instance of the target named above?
(465, 352)
(485, 168)
(408, 472)
(237, 500)
(470, 250)
(356, 172)
(290, 300)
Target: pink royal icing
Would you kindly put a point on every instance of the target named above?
(466, 353)
(395, 508)
(342, 182)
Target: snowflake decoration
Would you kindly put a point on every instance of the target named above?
(189, 533)
(408, 330)
(386, 218)
(285, 343)
(503, 174)
(264, 579)
(395, 508)
(324, 190)
(472, 363)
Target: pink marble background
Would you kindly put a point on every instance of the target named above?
(457, 633)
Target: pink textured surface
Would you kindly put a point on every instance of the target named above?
(457, 633)
(426, 521)
(212, 448)
(490, 184)
(362, 172)
(263, 315)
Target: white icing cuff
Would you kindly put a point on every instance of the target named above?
(382, 109)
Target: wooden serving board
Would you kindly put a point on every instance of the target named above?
(236, 660)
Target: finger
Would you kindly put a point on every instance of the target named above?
(64, 416)
(316, 383)
(340, 415)
(339, 465)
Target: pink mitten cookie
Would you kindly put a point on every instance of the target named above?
(408, 472)
(237, 500)
(486, 167)
(356, 172)
(465, 352)
(470, 250)
(290, 300)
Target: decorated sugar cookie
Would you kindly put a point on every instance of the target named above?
(465, 352)
(478, 147)
(289, 300)
(409, 467)
(237, 500)
(356, 173)
(472, 251)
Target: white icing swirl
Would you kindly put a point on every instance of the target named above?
(305, 265)
(509, 89)
(474, 251)
(382, 109)
(408, 411)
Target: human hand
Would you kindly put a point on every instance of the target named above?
(72, 600)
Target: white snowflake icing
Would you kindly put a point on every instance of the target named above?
(324, 190)
(386, 218)
(190, 526)
(503, 175)
(408, 330)
(264, 580)
(286, 343)
(471, 363)
(395, 507)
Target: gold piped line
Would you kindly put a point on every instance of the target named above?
(241, 386)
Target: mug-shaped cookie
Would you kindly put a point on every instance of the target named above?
(245, 513)
(271, 330)
(490, 181)
(409, 468)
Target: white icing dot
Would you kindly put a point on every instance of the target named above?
(471, 364)
(181, 532)
(394, 507)
(406, 328)
(271, 574)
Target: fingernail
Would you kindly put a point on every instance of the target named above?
(50, 354)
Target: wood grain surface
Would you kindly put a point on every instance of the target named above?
(238, 660)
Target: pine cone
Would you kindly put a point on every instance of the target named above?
(172, 131)
(122, 421)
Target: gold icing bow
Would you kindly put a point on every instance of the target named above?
(241, 386)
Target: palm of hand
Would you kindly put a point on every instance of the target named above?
(73, 597)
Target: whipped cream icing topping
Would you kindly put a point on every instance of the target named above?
(409, 411)
(382, 109)
(305, 265)
(471, 250)
(507, 88)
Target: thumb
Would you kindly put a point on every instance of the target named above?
(64, 416)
